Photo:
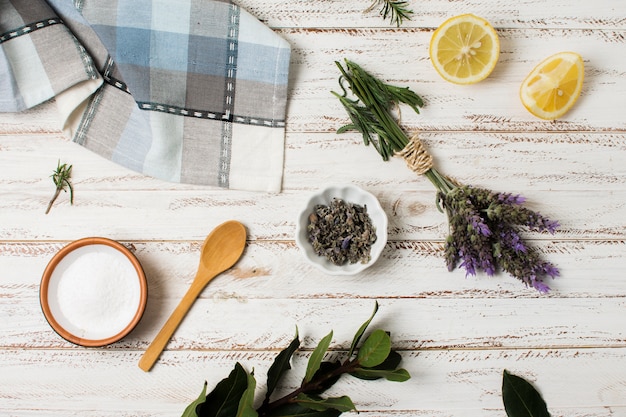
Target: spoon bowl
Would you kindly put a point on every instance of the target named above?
(221, 249)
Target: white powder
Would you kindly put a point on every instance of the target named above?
(97, 292)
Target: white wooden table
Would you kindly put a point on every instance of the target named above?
(456, 334)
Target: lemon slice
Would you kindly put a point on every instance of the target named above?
(554, 85)
(464, 49)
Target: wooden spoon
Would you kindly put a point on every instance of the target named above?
(221, 250)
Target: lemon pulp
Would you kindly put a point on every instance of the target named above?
(464, 49)
(553, 86)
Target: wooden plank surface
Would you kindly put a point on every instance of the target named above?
(456, 334)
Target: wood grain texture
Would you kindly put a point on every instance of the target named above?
(472, 381)
(531, 14)
(456, 334)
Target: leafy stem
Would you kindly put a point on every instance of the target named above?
(371, 115)
(234, 395)
(396, 10)
(61, 178)
(371, 111)
(313, 386)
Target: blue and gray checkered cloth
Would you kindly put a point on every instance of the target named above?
(190, 91)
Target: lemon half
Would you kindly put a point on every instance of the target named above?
(464, 49)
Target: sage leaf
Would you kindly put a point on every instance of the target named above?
(281, 365)
(316, 357)
(395, 375)
(190, 411)
(223, 401)
(297, 410)
(246, 403)
(359, 333)
(375, 349)
(520, 398)
(342, 404)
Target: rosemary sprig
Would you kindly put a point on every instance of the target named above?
(61, 178)
(396, 10)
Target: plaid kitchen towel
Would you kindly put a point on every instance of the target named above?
(189, 91)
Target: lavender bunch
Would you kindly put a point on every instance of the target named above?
(485, 226)
(485, 229)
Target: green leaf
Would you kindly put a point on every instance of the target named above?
(316, 357)
(223, 401)
(281, 365)
(322, 379)
(190, 411)
(246, 403)
(297, 410)
(395, 375)
(375, 349)
(406, 96)
(359, 333)
(343, 404)
(390, 364)
(520, 398)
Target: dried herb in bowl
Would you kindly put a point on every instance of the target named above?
(342, 232)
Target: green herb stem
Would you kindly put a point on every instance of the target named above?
(441, 182)
(378, 98)
(396, 10)
(311, 386)
(377, 101)
(61, 178)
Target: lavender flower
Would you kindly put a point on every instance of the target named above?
(485, 235)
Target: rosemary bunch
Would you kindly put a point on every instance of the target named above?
(485, 227)
(371, 114)
(396, 10)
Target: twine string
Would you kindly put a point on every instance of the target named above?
(416, 156)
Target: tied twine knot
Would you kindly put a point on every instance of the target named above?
(416, 156)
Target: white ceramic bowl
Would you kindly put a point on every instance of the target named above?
(93, 292)
(349, 194)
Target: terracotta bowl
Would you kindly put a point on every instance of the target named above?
(349, 194)
(93, 292)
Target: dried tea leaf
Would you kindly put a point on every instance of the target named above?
(342, 232)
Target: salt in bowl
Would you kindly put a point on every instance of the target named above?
(93, 292)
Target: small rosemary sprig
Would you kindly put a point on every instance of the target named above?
(396, 10)
(61, 178)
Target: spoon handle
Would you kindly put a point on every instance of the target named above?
(158, 344)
